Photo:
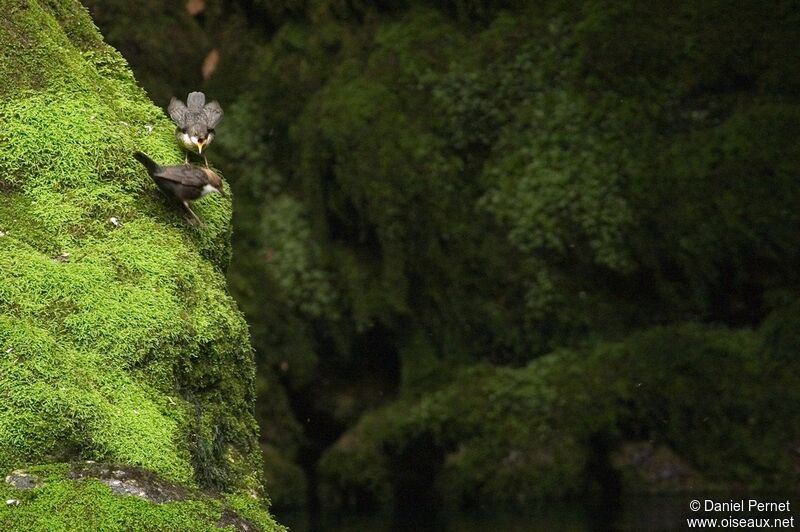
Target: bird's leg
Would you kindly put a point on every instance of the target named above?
(185, 157)
(194, 216)
(206, 159)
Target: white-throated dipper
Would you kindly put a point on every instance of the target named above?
(196, 121)
(185, 182)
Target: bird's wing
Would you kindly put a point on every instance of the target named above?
(184, 174)
(177, 112)
(196, 100)
(213, 113)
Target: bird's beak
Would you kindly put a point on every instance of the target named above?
(199, 147)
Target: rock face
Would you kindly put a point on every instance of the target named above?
(130, 481)
(21, 480)
(118, 339)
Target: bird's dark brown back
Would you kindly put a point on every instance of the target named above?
(180, 191)
(182, 174)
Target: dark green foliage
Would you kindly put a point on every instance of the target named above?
(548, 177)
(513, 436)
(285, 480)
(452, 188)
(524, 184)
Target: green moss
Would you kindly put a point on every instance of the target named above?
(246, 507)
(58, 503)
(59, 401)
(119, 340)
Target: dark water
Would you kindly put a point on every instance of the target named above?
(662, 513)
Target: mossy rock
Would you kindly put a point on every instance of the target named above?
(89, 496)
(119, 339)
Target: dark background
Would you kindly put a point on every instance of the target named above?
(494, 253)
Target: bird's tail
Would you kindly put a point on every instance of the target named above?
(195, 101)
(148, 163)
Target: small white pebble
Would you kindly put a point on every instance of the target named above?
(12, 502)
(149, 128)
(2, 234)
(114, 221)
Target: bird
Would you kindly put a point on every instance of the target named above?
(185, 182)
(196, 121)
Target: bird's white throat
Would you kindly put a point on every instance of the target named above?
(208, 189)
(186, 140)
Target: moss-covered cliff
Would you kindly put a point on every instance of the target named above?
(119, 342)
